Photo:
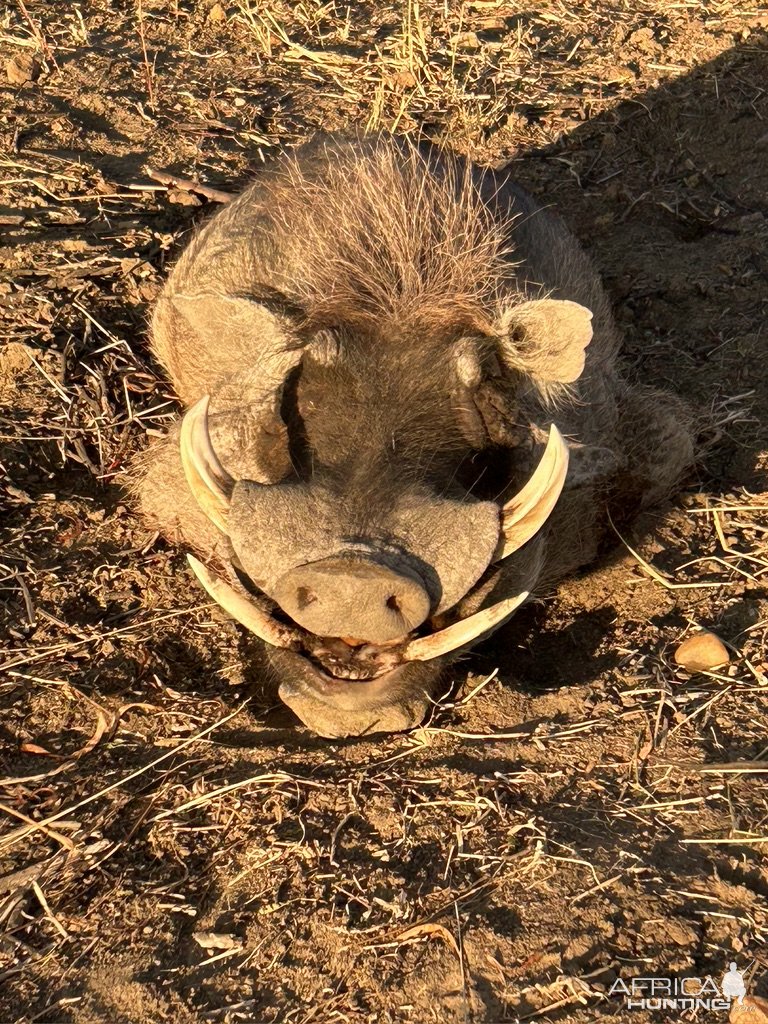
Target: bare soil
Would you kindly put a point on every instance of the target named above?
(579, 809)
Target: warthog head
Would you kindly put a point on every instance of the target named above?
(360, 364)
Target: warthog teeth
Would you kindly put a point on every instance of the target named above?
(524, 515)
(208, 481)
(340, 671)
(461, 633)
(244, 608)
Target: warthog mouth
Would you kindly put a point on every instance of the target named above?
(346, 661)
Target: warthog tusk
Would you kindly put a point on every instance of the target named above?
(244, 608)
(461, 633)
(524, 515)
(208, 481)
(249, 612)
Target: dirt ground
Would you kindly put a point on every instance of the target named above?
(174, 847)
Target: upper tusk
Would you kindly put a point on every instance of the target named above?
(208, 480)
(243, 608)
(524, 515)
(461, 633)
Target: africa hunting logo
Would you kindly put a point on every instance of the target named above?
(686, 993)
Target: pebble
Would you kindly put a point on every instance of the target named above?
(702, 652)
(217, 940)
(217, 14)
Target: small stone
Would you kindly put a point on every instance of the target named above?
(404, 79)
(702, 652)
(217, 940)
(217, 14)
(23, 68)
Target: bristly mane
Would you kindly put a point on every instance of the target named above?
(385, 234)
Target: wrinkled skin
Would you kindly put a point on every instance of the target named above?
(383, 335)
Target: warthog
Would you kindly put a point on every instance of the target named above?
(405, 416)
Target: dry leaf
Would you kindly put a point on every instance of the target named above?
(101, 727)
(22, 69)
(434, 931)
(35, 748)
(402, 80)
(466, 41)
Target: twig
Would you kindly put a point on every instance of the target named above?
(269, 779)
(43, 652)
(187, 185)
(728, 839)
(148, 71)
(25, 876)
(47, 910)
(38, 826)
(462, 966)
(658, 577)
(37, 32)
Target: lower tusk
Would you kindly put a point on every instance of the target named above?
(208, 481)
(464, 632)
(524, 515)
(243, 608)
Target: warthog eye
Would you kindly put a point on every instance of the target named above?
(299, 448)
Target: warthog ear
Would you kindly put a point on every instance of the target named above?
(546, 339)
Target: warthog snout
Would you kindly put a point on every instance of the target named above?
(356, 597)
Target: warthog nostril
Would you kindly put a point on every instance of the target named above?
(304, 598)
